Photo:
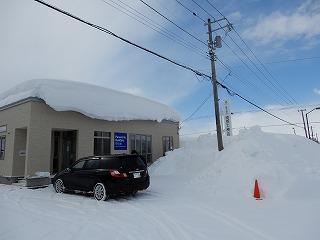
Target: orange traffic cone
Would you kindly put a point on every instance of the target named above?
(256, 192)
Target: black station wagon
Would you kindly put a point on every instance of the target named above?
(104, 176)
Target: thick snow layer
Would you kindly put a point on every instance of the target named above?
(281, 163)
(196, 192)
(90, 100)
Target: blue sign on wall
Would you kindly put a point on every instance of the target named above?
(120, 141)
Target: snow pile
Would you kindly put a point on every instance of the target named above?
(90, 100)
(286, 166)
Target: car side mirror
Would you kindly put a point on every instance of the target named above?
(68, 169)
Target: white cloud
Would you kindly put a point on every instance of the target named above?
(235, 16)
(316, 91)
(254, 118)
(303, 22)
(37, 42)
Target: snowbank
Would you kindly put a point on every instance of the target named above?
(286, 166)
(195, 193)
(90, 100)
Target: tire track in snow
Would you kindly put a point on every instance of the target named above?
(164, 221)
(164, 224)
(26, 204)
(236, 223)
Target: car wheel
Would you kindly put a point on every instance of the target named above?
(100, 192)
(59, 186)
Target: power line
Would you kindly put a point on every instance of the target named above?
(169, 20)
(244, 127)
(294, 60)
(197, 109)
(166, 30)
(265, 68)
(282, 97)
(189, 10)
(200, 106)
(119, 37)
(246, 65)
(155, 26)
(255, 56)
(256, 111)
(244, 81)
(286, 99)
(216, 9)
(229, 90)
(209, 14)
(232, 93)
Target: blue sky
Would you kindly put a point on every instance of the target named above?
(39, 43)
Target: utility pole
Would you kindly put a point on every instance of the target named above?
(214, 86)
(317, 108)
(304, 123)
(312, 138)
(307, 120)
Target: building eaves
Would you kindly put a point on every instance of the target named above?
(22, 101)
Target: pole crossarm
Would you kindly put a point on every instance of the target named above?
(317, 108)
(223, 27)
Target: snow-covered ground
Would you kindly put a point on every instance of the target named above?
(195, 193)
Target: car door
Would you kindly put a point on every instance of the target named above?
(72, 179)
(87, 177)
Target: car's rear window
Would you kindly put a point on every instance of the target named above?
(131, 162)
(110, 163)
(126, 162)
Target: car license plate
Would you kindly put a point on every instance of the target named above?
(136, 175)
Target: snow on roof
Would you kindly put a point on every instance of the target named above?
(91, 100)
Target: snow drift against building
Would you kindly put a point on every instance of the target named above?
(91, 100)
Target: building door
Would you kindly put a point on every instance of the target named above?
(55, 152)
(142, 144)
(63, 149)
(167, 144)
(68, 148)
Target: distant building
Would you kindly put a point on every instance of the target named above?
(46, 125)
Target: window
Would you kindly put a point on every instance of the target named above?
(92, 164)
(167, 144)
(132, 162)
(110, 163)
(3, 130)
(2, 147)
(79, 165)
(142, 145)
(102, 143)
